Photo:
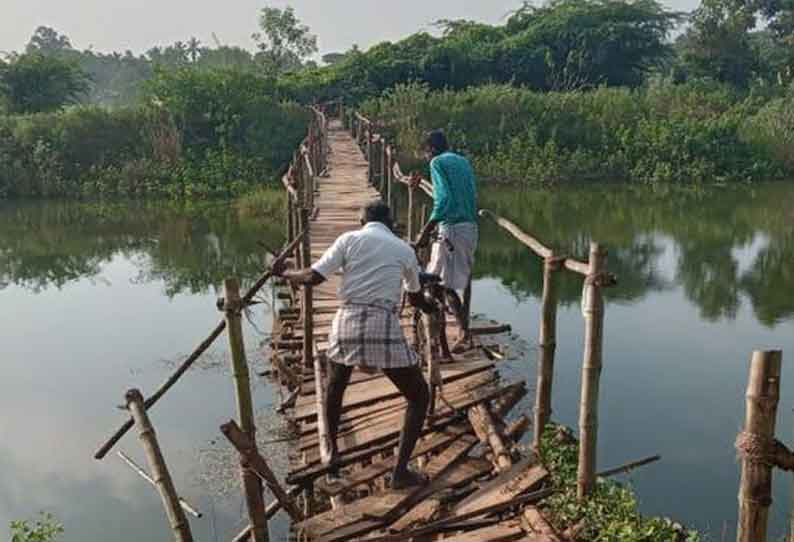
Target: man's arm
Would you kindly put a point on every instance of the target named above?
(331, 261)
(307, 276)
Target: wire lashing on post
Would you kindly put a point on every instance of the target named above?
(754, 448)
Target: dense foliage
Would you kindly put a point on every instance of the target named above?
(564, 45)
(35, 83)
(200, 134)
(660, 133)
(573, 90)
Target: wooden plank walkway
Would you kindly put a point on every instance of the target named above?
(464, 455)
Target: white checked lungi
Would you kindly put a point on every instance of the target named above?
(452, 256)
(369, 335)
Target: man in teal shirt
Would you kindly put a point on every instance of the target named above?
(455, 214)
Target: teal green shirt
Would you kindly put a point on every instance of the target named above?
(454, 189)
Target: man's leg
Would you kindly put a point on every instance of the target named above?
(412, 385)
(463, 321)
(338, 379)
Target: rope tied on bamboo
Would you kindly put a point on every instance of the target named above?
(753, 448)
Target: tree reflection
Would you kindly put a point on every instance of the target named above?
(705, 226)
(188, 248)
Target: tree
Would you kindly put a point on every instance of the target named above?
(284, 43)
(718, 44)
(333, 58)
(193, 49)
(33, 83)
(48, 41)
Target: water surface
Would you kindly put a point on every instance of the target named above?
(98, 298)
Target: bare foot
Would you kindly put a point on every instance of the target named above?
(408, 478)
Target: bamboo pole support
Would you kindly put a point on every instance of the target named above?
(370, 171)
(593, 310)
(245, 406)
(389, 175)
(547, 345)
(290, 221)
(384, 170)
(410, 233)
(755, 493)
(247, 449)
(160, 474)
(307, 301)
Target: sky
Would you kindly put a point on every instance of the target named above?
(137, 25)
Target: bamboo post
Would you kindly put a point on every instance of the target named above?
(290, 221)
(160, 474)
(307, 301)
(593, 311)
(547, 345)
(755, 493)
(370, 175)
(384, 169)
(389, 175)
(410, 233)
(245, 407)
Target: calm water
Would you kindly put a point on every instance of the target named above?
(96, 299)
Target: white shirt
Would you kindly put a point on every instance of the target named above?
(375, 264)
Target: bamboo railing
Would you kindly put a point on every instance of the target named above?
(384, 171)
(309, 163)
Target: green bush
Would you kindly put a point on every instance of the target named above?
(201, 134)
(44, 529)
(664, 133)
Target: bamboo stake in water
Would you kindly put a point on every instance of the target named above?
(160, 474)
(755, 490)
(593, 310)
(252, 485)
(145, 475)
(547, 345)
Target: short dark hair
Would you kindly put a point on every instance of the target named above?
(437, 142)
(377, 211)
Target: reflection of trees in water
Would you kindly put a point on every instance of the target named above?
(706, 226)
(191, 249)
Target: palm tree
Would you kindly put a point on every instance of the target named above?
(193, 49)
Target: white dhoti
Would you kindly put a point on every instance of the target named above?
(452, 256)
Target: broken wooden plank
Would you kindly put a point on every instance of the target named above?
(309, 472)
(525, 475)
(370, 472)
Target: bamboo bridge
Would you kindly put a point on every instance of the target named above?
(483, 485)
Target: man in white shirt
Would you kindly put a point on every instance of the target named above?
(366, 331)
